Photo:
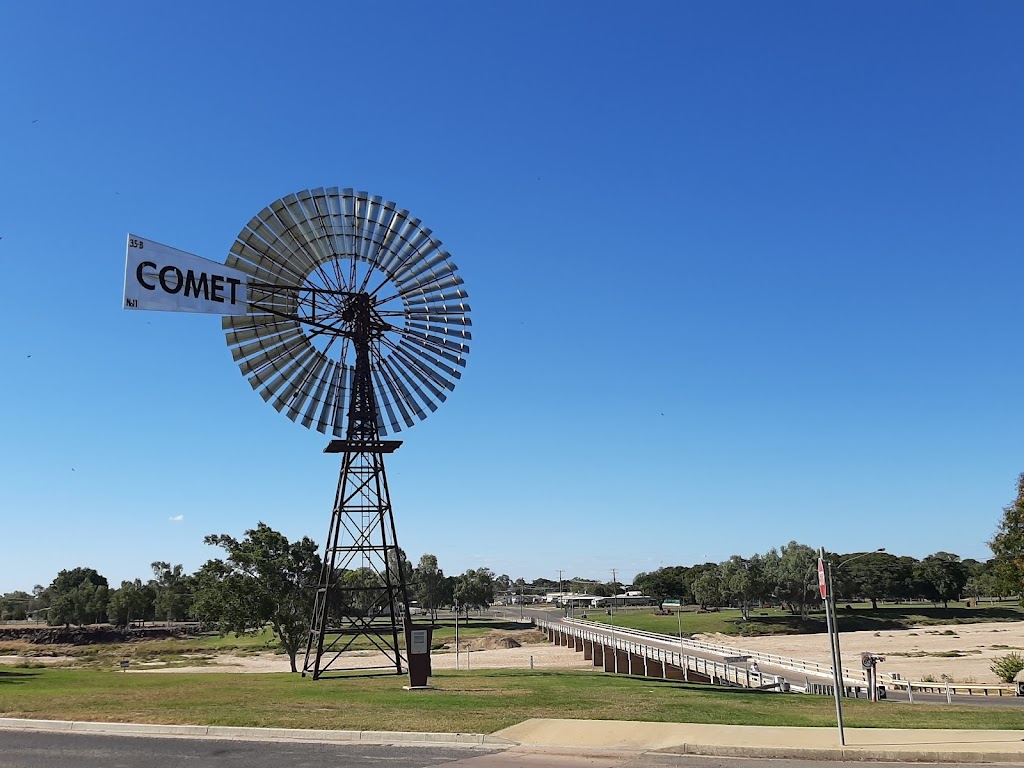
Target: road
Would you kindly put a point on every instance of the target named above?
(58, 750)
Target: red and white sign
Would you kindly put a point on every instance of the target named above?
(821, 578)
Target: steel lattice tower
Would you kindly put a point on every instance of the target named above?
(362, 591)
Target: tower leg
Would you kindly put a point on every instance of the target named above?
(362, 600)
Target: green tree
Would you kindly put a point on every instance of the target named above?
(707, 588)
(430, 588)
(263, 580)
(14, 606)
(945, 576)
(78, 596)
(133, 601)
(173, 592)
(1008, 543)
(474, 589)
(665, 583)
(397, 561)
(796, 577)
(363, 589)
(876, 576)
(743, 582)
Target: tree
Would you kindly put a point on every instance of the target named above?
(1008, 543)
(429, 585)
(664, 584)
(875, 575)
(692, 575)
(173, 592)
(14, 606)
(474, 589)
(78, 596)
(363, 589)
(133, 601)
(263, 580)
(945, 576)
(707, 588)
(743, 582)
(796, 577)
(398, 562)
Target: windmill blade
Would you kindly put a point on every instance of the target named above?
(415, 379)
(311, 255)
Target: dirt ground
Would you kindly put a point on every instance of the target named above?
(543, 656)
(962, 652)
(496, 650)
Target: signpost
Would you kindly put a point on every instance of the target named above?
(830, 623)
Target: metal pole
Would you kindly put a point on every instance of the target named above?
(836, 673)
(835, 622)
(456, 633)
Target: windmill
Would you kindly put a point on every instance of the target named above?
(348, 317)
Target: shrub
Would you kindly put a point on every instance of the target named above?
(1007, 667)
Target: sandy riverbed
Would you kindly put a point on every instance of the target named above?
(543, 656)
(912, 653)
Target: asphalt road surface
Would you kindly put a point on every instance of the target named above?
(27, 749)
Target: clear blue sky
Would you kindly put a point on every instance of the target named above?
(741, 273)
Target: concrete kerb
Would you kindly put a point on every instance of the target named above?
(936, 754)
(253, 734)
(839, 754)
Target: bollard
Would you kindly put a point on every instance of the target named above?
(531, 662)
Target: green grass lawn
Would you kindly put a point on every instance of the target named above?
(477, 702)
(859, 617)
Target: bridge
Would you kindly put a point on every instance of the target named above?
(636, 652)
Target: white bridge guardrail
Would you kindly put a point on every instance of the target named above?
(852, 678)
(719, 671)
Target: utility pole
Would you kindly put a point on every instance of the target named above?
(615, 589)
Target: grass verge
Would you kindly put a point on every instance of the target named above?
(475, 702)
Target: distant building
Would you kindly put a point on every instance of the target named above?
(626, 598)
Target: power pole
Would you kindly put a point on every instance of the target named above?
(615, 588)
